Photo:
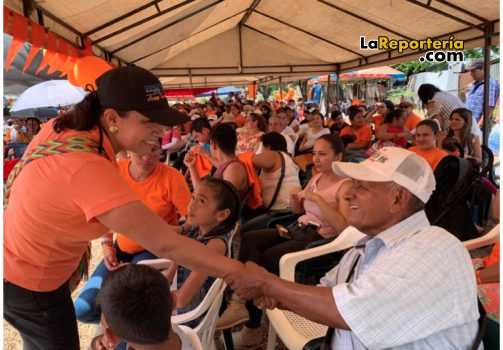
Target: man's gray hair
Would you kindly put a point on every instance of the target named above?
(415, 204)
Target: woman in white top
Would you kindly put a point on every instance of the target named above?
(270, 161)
(316, 129)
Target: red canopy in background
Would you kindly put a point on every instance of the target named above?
(187, 93)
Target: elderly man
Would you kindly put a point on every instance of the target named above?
(406, 285)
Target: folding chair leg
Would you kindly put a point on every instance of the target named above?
(271, 338)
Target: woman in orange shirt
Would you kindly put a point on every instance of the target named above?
(426, 143)
(357, 136)
(67, 192)
(164, 191)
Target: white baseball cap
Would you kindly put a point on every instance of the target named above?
(394, 164)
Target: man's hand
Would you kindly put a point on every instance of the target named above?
(266, 302)
(249, 283)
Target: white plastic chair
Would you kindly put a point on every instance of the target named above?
(192, 337)
(489, 238)
(209, 307)
(294, 330)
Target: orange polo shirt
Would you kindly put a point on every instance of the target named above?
(432, 156)
(363, 134)
(52, 211)
(164, 192)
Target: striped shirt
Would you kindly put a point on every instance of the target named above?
(413, 288)
(443, 103)
(475, 97)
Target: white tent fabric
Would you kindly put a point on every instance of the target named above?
(201, 42)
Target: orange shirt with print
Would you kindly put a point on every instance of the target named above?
(164, 192)
(433, 156)
(363, 134)
(52, 211)
(412, 121)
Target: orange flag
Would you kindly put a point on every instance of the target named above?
(19, 35)
(50, 52)
(37, 36)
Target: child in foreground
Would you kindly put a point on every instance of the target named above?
(136, 306)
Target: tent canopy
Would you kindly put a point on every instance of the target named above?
(201, 43)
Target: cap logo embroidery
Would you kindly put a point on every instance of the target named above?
(378, 157)
(154, 92)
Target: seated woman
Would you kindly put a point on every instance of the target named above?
(249, 135)
(316, 129)
(383, 109)
(460, 129)
(223, 142)
(164, 191)
(392, 129)
(322, 203)
(32, 127)
(269, 160)
(358, 135)
(426, 143)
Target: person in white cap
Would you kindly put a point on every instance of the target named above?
(406, 285)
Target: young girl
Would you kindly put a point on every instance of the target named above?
(213, 213)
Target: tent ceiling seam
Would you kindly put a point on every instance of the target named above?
(363, 19)
(122, 17)
(190, 36)
(310, 34)
(142, 21)
(207, 7)
(445, 14)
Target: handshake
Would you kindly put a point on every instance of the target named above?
(255, 283)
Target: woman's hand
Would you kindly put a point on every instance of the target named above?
(294, 191)
(110, 258)
(200, 150)
(189, 160)
(309, 195)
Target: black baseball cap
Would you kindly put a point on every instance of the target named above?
(134, 88)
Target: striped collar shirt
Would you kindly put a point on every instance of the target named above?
(413, 288)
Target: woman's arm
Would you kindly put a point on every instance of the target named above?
(477, 149)
(490, 274)
(382, 133)
(330, 214)
(146, 228)
(296, 202)
(195, 280)
(267, 160)
(303, 142)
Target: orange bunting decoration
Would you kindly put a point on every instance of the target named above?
(19, 36)
(88, 68)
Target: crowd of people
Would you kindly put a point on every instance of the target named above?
(191, 172)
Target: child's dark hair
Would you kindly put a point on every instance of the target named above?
(353, 111)
(136, 303)
(433, 125)
(275, 141)
(394, 114)
(224, 136)
(199, 124)
(335, 142)
(227, 197)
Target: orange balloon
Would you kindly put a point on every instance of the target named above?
(71, 78)
(88, 68)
